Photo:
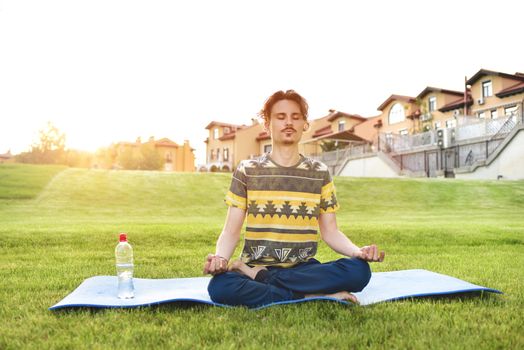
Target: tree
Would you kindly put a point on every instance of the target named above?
(127, 159)
(105, 157)
(328, 146)
(145, 157)
(150, 159)
(50, 148)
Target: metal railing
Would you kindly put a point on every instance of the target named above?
(340, 155)
(481, 129)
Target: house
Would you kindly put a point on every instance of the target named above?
(337, 127)
(228, 144)
(496, 94)
(6, 157)
(439, 130)
(432, 112)
(220, 145)
(175, 157)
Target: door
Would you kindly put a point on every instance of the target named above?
(432, 163)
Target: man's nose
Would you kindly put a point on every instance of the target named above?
(289, 120)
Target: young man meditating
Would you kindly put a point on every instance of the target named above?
(286, 198)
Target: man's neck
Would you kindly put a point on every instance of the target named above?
(285, 155)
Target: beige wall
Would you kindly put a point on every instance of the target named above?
(185, 159)
(246, 144)
(312, 148)
(367, 131)
(493, 102)
(443, 99)
(396, 127)
(350, 122)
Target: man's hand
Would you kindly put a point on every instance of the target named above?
(215, 265)
(371, 253)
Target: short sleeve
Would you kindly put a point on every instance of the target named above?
(237, 194)
(328, 196)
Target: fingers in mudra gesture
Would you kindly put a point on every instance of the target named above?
(371, 253)
(215, 264)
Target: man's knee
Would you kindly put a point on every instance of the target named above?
(358, 274)
(223, 288)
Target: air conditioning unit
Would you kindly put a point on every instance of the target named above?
(444, 137)
(425, 117)
(480, 101)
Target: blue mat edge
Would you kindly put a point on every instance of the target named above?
(383, 301)
(484, 289)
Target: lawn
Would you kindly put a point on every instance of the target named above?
(60, 226)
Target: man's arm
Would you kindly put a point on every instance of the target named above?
(226, 243)
(341, 244)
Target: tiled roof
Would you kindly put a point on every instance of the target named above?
(483, 72)
(338, 114)
(166, 142)
(322, 131)
(456, 104)
(229, 136)
(263, 136)
(347, 135)
(512, 90)
(429, 89)
(213, 123)
(7, 155)
(408, 99)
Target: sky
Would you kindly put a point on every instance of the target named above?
(108, 71)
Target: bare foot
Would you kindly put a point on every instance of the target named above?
(339, 295)
(240, 267)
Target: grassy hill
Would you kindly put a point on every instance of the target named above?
(60, 225)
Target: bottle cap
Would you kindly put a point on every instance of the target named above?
(123, 237)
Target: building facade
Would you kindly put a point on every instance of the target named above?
(487, 95)
(175, 157)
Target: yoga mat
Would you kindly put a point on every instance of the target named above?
(100, 291)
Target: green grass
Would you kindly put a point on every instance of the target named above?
(56, 232)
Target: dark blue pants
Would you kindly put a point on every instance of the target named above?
(281, 284)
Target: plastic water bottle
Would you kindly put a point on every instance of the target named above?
(124, 268)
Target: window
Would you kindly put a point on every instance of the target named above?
(437, 125)
(481, 115)
(511, 111)
(451, 123)
(403, 132)
(389, 138)
(225, 154)
(432, 104)
(486, 89)
(494, 114)
(169, 157)
(341, 125)
(267, 148)
(396, 114)
(218, 154)
(215, 134)
(212, 155)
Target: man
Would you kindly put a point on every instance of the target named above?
(286, 197)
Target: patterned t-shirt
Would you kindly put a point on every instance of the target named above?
(283, 205)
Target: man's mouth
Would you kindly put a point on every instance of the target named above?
(289, 131)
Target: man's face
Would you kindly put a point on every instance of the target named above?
(286, 122)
